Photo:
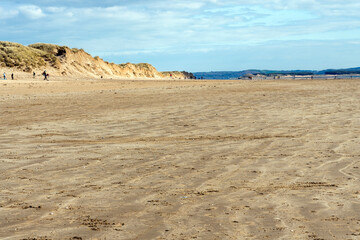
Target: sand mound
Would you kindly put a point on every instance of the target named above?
(64, 61)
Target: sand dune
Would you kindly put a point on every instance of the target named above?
(65, 61)
(147, 159)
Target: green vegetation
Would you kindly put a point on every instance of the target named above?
(50, 52)
(17, 55)
(49, 48)
(76, 50)
(25, 58)
(171, 72)
(143, 65)
(179, 74)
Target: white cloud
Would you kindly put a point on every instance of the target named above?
(5, 13)
(177, 5)
(143, 27)
(324, 7)
(31, 11)
(55, 9)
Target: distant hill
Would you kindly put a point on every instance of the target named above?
(64, 61)
(341, 71)
(239, 74)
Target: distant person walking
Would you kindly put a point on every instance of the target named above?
(45, 76)
(34, 74)
(4, 76)
(12, 76)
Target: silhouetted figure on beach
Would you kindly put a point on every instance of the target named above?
(4, 76)
(45, 76)
(34, 74)
(12, 76)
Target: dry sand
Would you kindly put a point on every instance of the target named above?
(106, 159)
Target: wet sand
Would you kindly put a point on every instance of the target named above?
(107, 159)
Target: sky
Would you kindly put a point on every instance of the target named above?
(194, 35)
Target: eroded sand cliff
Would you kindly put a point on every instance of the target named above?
(64, 61)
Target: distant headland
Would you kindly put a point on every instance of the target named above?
(270, 73)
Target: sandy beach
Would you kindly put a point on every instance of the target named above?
(164, 159)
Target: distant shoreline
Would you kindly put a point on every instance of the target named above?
(272, 73)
